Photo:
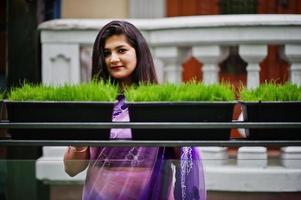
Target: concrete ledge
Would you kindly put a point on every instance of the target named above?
(226, 177)
(179, 22)
(270, 179)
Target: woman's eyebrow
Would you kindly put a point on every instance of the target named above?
(117, 47)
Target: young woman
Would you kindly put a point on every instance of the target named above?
(121, 55)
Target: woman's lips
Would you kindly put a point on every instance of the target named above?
(116, 67)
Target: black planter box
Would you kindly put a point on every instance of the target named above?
(181, 112)
(59, 112)
(272, 112)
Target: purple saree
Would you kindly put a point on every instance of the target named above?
(124, 173)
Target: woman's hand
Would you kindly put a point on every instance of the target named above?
(76, 159)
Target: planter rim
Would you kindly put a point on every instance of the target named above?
(181, 102)
(267, 102)
(61, 102)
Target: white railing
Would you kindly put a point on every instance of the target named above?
(66, 44)
(66, 58)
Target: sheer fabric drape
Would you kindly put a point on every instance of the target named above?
(120, 173)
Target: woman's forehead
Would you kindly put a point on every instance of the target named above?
(115, 41)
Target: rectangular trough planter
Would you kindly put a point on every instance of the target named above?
(59, 112)
(181, 112)
(272, 112)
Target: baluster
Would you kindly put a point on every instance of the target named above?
(293, 54)
(253, 54)
(210, 56)
(172, 58)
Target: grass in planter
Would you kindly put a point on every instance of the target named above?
(272, 92)
(192, 91)
(93, 91)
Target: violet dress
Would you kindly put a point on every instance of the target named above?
(138, 173)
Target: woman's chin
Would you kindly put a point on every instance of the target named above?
(119, 76)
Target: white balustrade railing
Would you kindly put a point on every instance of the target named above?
(66, 58)
(207, 38)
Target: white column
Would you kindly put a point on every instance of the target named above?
(253, 54)
(60, 63)
(172, 58)
(210, 56)
(293, 54)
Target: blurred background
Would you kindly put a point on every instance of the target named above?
(20, 55)
(21, 60)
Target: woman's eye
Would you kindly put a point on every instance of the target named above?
(122, 50)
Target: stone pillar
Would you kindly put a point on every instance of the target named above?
(253, 54)
(61, 63)
(172, 58)
(210, 56)
(252, 157)
(293, 54)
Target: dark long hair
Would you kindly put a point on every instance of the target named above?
(144, 71)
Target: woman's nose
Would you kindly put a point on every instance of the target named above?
(114, 57)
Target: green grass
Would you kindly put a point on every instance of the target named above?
(93, 91)
(193, 91)
(272, 92)
(180, 92)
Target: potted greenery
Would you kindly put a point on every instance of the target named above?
(86, 102)
(272, 103)
(190, 102)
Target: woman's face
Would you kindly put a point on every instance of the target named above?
(120, 57)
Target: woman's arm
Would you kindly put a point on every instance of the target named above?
(76, 159)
